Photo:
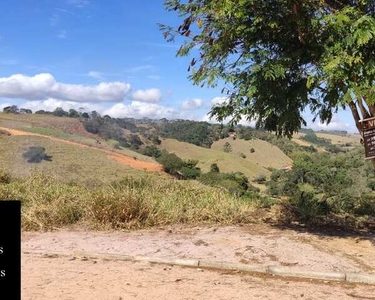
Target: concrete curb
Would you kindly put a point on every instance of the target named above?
(203, 264)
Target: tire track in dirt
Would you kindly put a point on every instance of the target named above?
(121, 158)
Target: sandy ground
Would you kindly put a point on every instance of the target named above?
(67, 279)
(75, 278)
(123, 159)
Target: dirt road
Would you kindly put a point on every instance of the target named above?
(68, 279)
(122, 159)
(76, 278)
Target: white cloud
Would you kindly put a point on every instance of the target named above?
(192, 104)
(135, 109)
(150, 95)
(336, 124)
(219, 100)
(140, 110)
(79, 3)
(96, 75)
(51, 104)
(242, 122)
(44, 86)
(62, 34)
(2, 105)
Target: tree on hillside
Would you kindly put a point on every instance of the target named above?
(60, 112)
(227, 147)
(73, 113)
(13, 109)
(171, 162)
(26, 111)
(214, 168)
(134, 141)
(277, 58)
(42, 112)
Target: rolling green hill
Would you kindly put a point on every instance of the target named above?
(265, 154)
(227, 162)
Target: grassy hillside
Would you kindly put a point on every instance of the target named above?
(71, 126)
(69, 162)
(265, 154)
(64, 128)
(226, 161)
(339, 140)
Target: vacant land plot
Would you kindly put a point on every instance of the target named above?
(50, 276)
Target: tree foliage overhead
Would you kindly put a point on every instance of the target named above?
(276, 58)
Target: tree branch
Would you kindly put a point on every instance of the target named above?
(371, 107)
(364, 112)
(296, 15)
(353, 108)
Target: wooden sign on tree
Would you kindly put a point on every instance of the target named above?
(368, 132)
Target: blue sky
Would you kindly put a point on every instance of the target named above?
(104, 55)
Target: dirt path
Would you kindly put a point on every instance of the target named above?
(256, 244)
(76, 279)
(46, 277)
(121, 158)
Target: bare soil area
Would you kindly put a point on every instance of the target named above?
(74, 277)
(69, 278)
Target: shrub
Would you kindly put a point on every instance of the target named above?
(214, 168)
(26, 111)
(155, 140)
(242, 155)
(3, 132)
(36, 155)
(59, 112)
(189, 173)
(236, 183)
(13, 109)
(4, 177)
(134, 141)
(227, 147)
(252, 150)
(73, 113)
(151, 151)
(371, 184)
(232, 187)
(41, 112)
(92, 125)
(307, 207)
(171, 162)
(260, 178)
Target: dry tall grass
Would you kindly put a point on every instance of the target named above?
(129, 203)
